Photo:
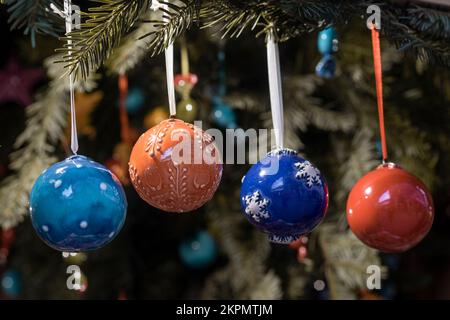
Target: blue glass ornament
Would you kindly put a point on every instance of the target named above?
(327, 41)
(223, 115)
(284, 195)
(198, 251)
(135, 100)
(11, 283)
(326, 68)
(77, 205)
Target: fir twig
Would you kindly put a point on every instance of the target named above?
(100, 34)
(34, 16)
(176, 20)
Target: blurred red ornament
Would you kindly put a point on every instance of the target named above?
(17, 83)
(174, 166)
(6, 240)
(389, 209)
(189, 80)
(302, 252)
(3, 170)
(296, 244)
(122, 295)
(367, 295)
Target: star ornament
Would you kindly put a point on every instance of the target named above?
(16, 84)
(85, 104)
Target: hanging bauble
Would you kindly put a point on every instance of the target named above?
(327, 42)
(198, 251)
(135, 100)
(187, 110)
(77, 205)
(223, 115)
(175, 166)
(326, 68)
(155, 116)
(284, 195)
(389, 209)
(185, 82)
(11, 283)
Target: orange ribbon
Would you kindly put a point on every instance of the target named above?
(379, 84)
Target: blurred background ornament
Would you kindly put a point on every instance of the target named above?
(222, 114)
(85, 105)
(77, 258)
(187, 108)
(17, 84)
(155, 116)
(118, 164)
(11, 283)
(6, 239)
(135, 100)
(327, 44)
(198, 251)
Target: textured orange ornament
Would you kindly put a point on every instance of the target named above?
(167, 183)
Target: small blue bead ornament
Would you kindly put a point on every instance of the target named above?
(11, 283)
(326, 68)
(135, 100)
(327, 44)
(198, 251)
(77, 205)
(284, 195)
(223, 115)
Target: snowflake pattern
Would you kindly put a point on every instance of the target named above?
(256, 206)
(308, 173)
(283, 239)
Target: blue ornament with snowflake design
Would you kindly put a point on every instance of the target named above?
(284, 195)
(77, 205)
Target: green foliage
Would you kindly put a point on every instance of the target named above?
(34, 17)
(100, 33)
(175, 20)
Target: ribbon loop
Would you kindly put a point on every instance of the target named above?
(275, 89)
(379, 86)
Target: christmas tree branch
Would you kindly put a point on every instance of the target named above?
(175, 20)
(34, 16)
(100, 34)
(46, 120)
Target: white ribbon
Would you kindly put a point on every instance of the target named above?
(169, 76)
(73, 118)
(275, 89)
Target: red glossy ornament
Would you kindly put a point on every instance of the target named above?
(175, 166)
(389, 209)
